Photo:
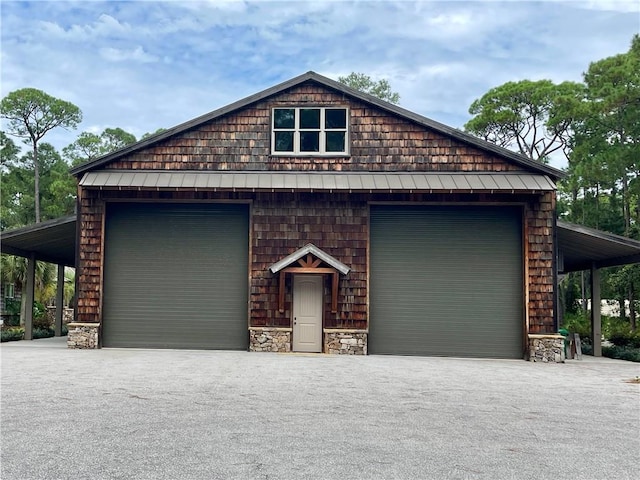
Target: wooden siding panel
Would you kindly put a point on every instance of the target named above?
(282, 223)
(539, 220)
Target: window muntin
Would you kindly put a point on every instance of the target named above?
(309, 131)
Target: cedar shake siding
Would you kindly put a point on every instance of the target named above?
(379, 142)
(282, 223)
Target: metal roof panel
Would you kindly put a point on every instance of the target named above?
(361, 181)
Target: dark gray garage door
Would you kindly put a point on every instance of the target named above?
(176, 276)
(446, 281)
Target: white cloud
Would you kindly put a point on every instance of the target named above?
(145, 65)
(121, 55)
(104, 27)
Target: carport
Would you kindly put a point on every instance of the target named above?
(579, 248)
(583, 248)
(53, 241)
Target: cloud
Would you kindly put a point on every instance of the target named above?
(120, 55)
(105, 26)
(144, 65)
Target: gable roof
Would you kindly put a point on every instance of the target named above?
(313, 250)
(331, 84)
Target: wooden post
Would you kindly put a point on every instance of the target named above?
(59, 301)
(596, 319)
(31, 282)
(281, 291)
(334, 292)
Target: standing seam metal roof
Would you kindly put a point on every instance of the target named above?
(313, 181)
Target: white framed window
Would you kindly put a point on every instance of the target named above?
(310, 131)
(9, 290)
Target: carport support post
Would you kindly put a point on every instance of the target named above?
(596, 319)
(31, 282)
(59, 301)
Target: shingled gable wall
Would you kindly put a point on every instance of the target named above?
(337, 223)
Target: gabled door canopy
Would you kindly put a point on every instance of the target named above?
(308, 264)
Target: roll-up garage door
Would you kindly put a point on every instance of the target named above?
(176, 276)
(446, 281)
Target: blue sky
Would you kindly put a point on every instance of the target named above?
(142, 65)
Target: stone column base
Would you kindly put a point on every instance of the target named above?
(83, 335)
(345, 342)
(546, 348)
(269, 339)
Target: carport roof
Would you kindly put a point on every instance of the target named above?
(583, 247)
(52, 241)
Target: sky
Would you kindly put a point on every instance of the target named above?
(144, 65)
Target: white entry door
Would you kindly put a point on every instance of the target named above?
(307, 313)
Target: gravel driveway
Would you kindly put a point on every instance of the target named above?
(175, 414)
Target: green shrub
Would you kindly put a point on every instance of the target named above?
(12, 306)
(43, 333)
(618, 331)
(41, 322)
(11, 334)
(578, 323)
(622, 353)
(11, 320)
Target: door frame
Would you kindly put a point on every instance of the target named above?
(319, 332)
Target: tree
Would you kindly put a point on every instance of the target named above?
(31, 114)
(8, 152)
(364, 83)
(57, 188)
(533, 117)
(89, 146)
(14, 270)
(607, 142)
(151, 134)
(605, 164)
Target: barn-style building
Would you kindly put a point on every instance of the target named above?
(312, 217)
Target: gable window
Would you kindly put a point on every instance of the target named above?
(309, 131)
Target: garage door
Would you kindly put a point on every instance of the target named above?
(176, 276)
(446, 281)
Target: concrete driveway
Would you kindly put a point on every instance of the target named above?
(168, 414)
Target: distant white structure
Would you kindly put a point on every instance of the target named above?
(610, 308)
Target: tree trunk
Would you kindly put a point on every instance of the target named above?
(23, 307)
(36, 182)
(623, 309)
(626, 204)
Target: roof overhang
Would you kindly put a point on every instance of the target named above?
(582, 248)
(273, 181)
(52, 241)
(310, 248)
